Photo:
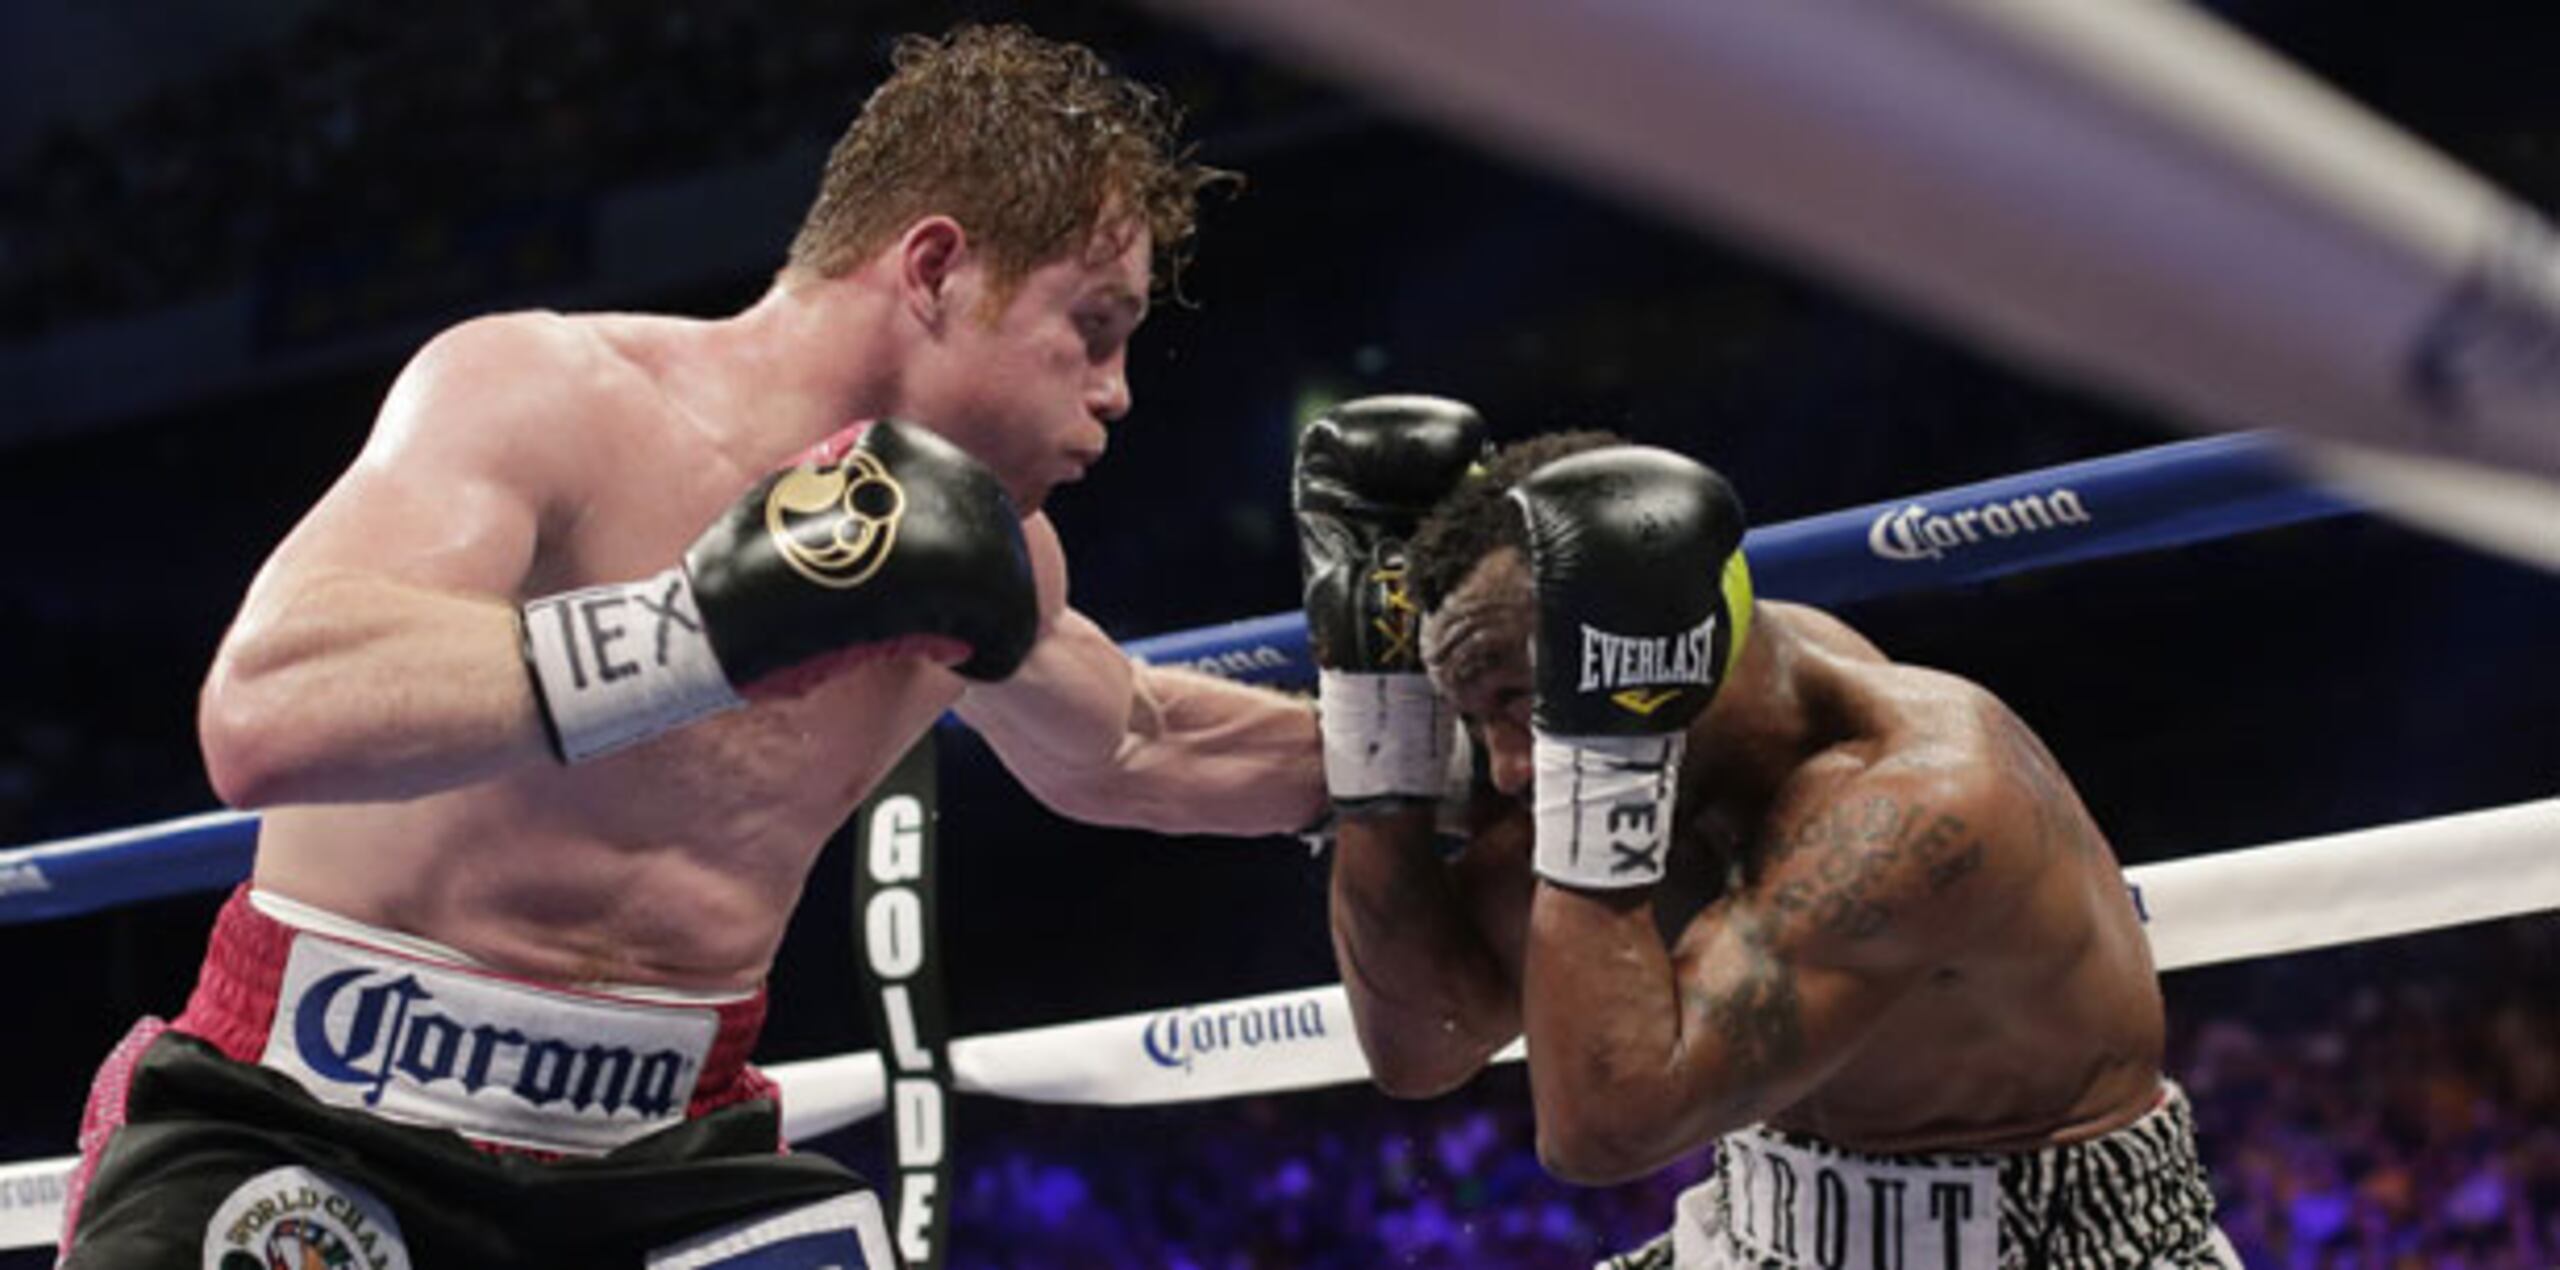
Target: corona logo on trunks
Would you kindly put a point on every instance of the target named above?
(836, 523)
(1913, 532)
(1179, 1038)
(296, 1218)
(492, 1058)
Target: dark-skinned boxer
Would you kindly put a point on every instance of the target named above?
(1746, 885)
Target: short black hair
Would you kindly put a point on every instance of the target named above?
(1477, 519)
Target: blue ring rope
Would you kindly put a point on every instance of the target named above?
(2144, 500)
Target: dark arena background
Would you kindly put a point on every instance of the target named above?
(339, 178)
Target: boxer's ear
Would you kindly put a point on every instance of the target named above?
(930, 254)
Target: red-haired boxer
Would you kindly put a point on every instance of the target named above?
(1745, 884)
(553, 699)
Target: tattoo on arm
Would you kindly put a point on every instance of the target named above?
(1747, 1002)
(1947, 853)
(1857, 854)
(1847, 871)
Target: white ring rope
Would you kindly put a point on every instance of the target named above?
(2128, 192)
(2227, 906)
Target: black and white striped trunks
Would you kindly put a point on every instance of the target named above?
(2136, 1197)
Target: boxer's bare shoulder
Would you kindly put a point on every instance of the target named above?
(598, 428)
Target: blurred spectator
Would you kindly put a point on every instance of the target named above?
(375, 120)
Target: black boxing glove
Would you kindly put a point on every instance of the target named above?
(884, 539)
(1367, 471)
(1643, 604)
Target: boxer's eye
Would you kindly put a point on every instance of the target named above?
(1101, 334)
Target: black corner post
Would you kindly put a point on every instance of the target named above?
(894, 924)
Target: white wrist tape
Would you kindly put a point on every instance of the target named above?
(620, 663)
(1385, 736)
(1604, 807)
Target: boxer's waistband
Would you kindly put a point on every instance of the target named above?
(412, 1031)
(1786, 1200)
(1791, 1201)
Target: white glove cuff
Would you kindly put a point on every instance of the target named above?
(1604, 806)
(616, 664)
(1385, 736)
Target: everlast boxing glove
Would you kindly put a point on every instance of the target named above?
(883, 533)
(1643, 602)
(1367, 472)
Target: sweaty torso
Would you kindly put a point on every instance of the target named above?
(677, 861)
(2046, 1028)
(2046, 1025)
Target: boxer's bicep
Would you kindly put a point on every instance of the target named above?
(1859, 900)
(403, 575)
(1762, 1025)
(473, 449)
(1068, 707)
(1065, 714)
(1901, 869)
(1048, 568)
(1103, 738)
(428, 535)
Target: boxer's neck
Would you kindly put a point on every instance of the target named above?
(811, 356)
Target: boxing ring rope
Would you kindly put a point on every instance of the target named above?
(2204, 910)
(2231, 905)
(2295, 896)
(2143, 500)
(2129, 194)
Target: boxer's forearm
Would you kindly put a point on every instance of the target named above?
(1429, 996)
(1638, 1056)
(1601, 1009)
(346, 687)
(1104, 739)
(1207, 755)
